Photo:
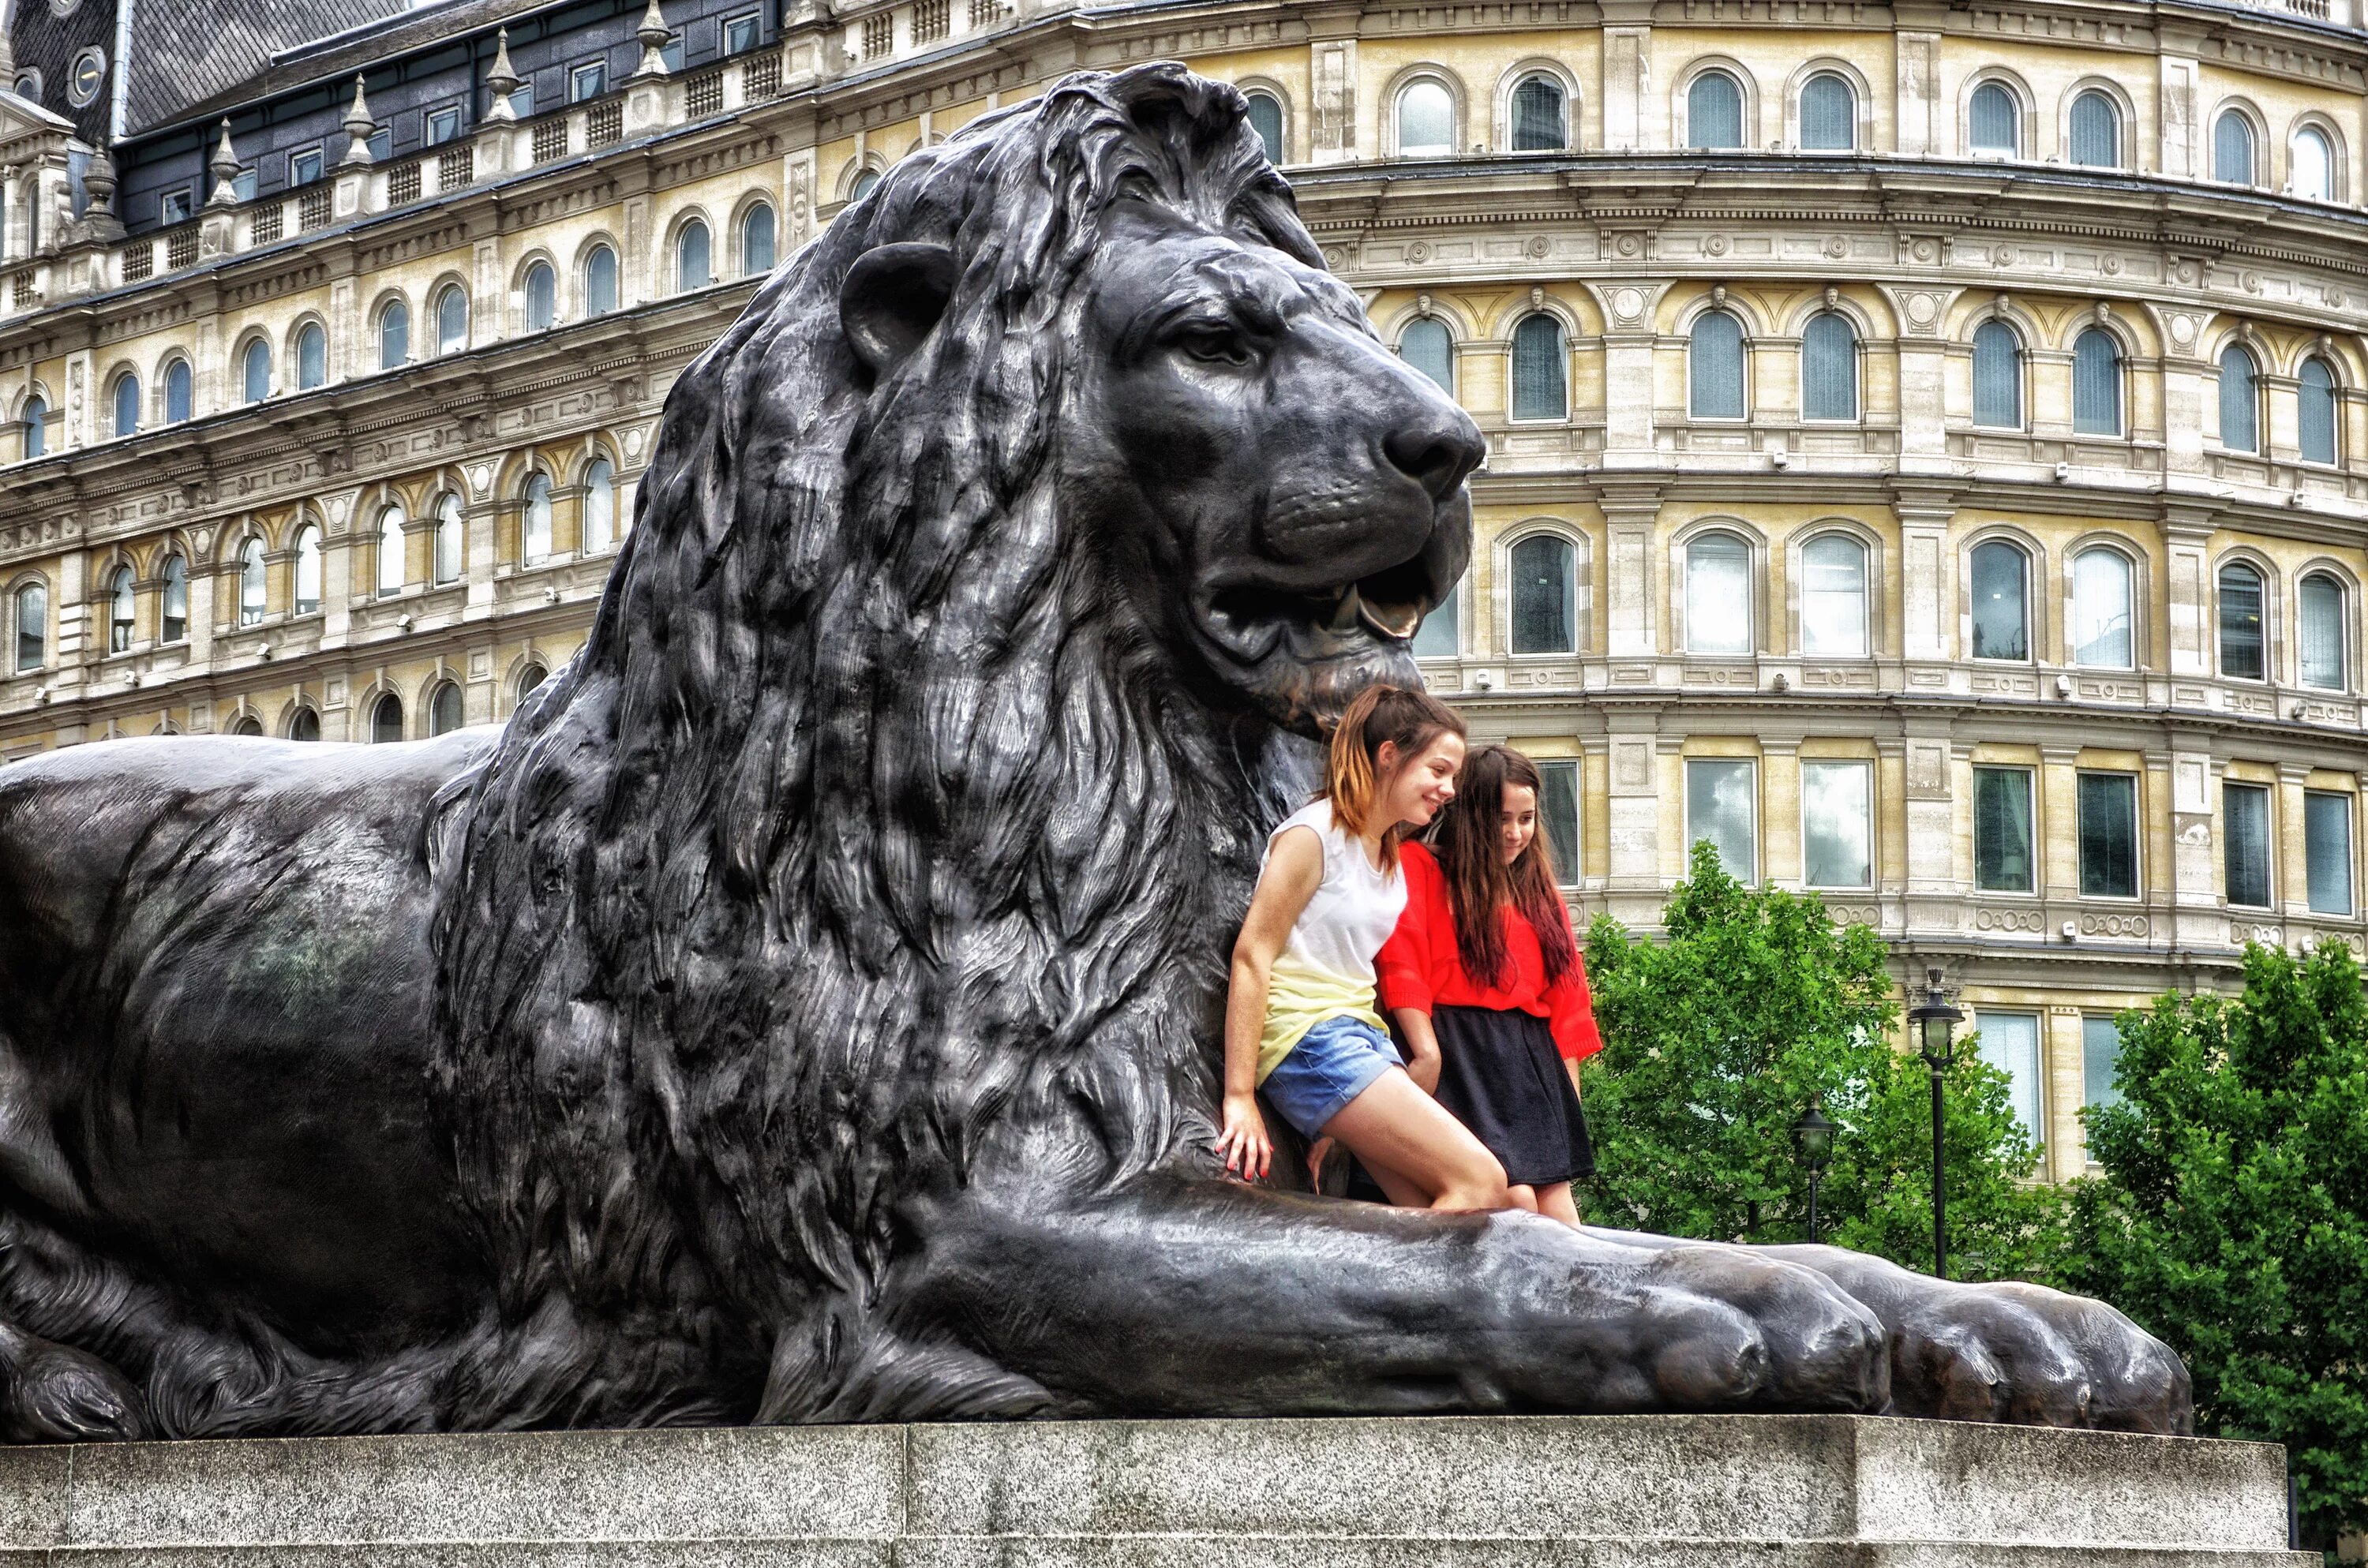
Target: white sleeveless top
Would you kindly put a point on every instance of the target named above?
(1326, 968)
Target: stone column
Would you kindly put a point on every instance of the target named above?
(489, 311)
(1332, 73)
(2058, 823)
(2178, 139)
(2062, 1053)
(337, 568)
(1934, 890)
(2294, 853)
(2184, 333)
(1633, 819)
(1628, 372)
(1923, 355)
(1922, 126)
(1927, 595)
(1631, 616)
(1780, 809)
(2197, 918)
(1629, 118)
(348, 354)
(2187, 589)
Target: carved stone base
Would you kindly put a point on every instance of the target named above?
(1669, 1492)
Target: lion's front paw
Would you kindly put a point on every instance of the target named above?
(2035, 1356)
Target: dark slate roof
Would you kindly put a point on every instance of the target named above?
(189, 53)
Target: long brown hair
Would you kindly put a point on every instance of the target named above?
(1381, 714)
(1469, 840)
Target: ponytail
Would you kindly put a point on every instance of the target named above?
(1381, 715)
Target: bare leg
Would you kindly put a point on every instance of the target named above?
(1523, 1195)
(1556, 1202)
(1393, 1123)
(1402, 1193)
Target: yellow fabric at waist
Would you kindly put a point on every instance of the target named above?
(1300, 996)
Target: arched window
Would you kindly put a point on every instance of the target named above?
(534, 519)
(691, 256)
(1545, 595)
(312, 356)
(1828, 113)
(1266, 119)
(386, 719)
(256, 378)
(176, 392)
(1714, 111)
(2101, 610)
(304, 725)
(1833, 597)
(32, 626)
(122, 610)
(444, 710)
(1718, 595)
(1541, 123)
(249, 726)
(1541, 384)
(2232, 148)
(1426, 120)
(2240, 401)
(756, 240)
(2313, 165)
(393, 336)
(1828, 367)
(126, 405)
(1714, 366)
(530, 678)
(451, 320)
(448, 537)
(1994, 121)
(37, 427)
(1427, 345)
(173, 625)
(599, 281)
(308, 570)
(599, 505)
(1998, 376)
(2096, 130)
(542, 297)
(2317, 424)
(863, 185)
(250, 583)
(2096, 383)
(2001, 601)
(2241, 651)
(389, 565)
(2322, 641)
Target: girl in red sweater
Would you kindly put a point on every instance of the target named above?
(1484, 983)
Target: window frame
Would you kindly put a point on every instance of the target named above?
(1857, 369)
(307, 533)
(1573, 873)
(172, 588)
(2030, 576)
(1867, 575)
(1524, 539)
(2018, 364)
(1689, 644)
(2084, 92)
(122, 609)
(2334, 458)
(1865, 770)
(2030, 828)
(539, 266)
(2350, 821)
(1737, 80)
(2255, 138)
(310, 330)
(1748, 877)
(2132, 602)
(256, 343)
(380, 588)
(451, 522)
(2133, 788)
(1825, 70)
(1430, 76)
(1984, 1020)
(592, 254)
(2019, 112)
(434, 122)
(2334, 165)
(2263, 589)
(678, 246)
(1524, 77)
(318, 153)
(2238, 348)
(1446, 332)
(2266, 796)
(253, 570)
(1262, 92)
(180, 375)
(2344, 638)
(2121, 428)
(1560, 367)
(445, 343)
(1742, 416)
(125, 382)
(393, 311)
(748, 215)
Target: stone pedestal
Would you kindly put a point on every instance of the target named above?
(1671, 1492)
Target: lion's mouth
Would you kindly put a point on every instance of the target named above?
(1389, 604)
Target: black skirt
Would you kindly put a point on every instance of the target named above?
(1500, 1075)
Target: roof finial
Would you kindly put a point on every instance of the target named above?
(501, 81)
(224, 168)
(655, 35)
(360, 128)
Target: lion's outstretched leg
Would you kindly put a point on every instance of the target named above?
(52, 1393)
(2004, 1352)
(1193, 1296)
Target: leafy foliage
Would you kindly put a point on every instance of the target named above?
(2232, 1218)
(1716, 1038)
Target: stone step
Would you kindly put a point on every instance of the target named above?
(1477, 1491)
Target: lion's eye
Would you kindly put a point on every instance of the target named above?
(1216, 346)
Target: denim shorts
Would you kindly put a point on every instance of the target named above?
(1332, 1065)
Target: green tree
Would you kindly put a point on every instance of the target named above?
(2232, 1217)
(1716, 1037)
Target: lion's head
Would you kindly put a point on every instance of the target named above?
(896, 814)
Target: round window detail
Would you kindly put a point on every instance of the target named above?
(65, 8)
(88, 75)
(28, 85)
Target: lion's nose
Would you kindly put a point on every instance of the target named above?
(1437, 448)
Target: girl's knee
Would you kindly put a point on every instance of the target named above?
(1523, 1196)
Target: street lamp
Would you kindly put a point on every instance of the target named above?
(1933, 1021)
(1813, 1139)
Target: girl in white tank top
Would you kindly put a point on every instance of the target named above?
(1301, 1018)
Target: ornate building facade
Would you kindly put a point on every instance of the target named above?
(1929, 444)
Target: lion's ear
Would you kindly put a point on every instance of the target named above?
(893, 296)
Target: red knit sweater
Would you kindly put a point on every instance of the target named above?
(1419, 966)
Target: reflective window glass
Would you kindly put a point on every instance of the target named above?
(1837, 824)
(1426, 120)
(2316, 411)
(1829, 114)
(2109, 835)
(756, 240)
(2002, 845)
(2010, 1042)
(2100, 610)
(2232, 149)
(599, 281)
(1266, 119)
(2001, 617)
(1833, 597)
(1540, 374)
(2327, 852)
(1538, 116)
(126, 405)
(1714, 111)
(1427, 345)
(2245, 849)
(1998, 376)
(2096, 383)
(1714, 366)
(1828, 367)
(1558, 816)
(2321, 605)
(2240, 622)
(1545, 617)
(1994, 121)
(2096, 132)
(1723, 805)
(2240, 402)
(1718, 595)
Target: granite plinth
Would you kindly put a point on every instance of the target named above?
(1540, 1491)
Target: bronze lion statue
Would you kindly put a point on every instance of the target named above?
(806, 1010)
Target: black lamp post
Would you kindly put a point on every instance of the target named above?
(1813, 1139)
(1934, 1021)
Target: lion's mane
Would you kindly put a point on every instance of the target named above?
(869, 841)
